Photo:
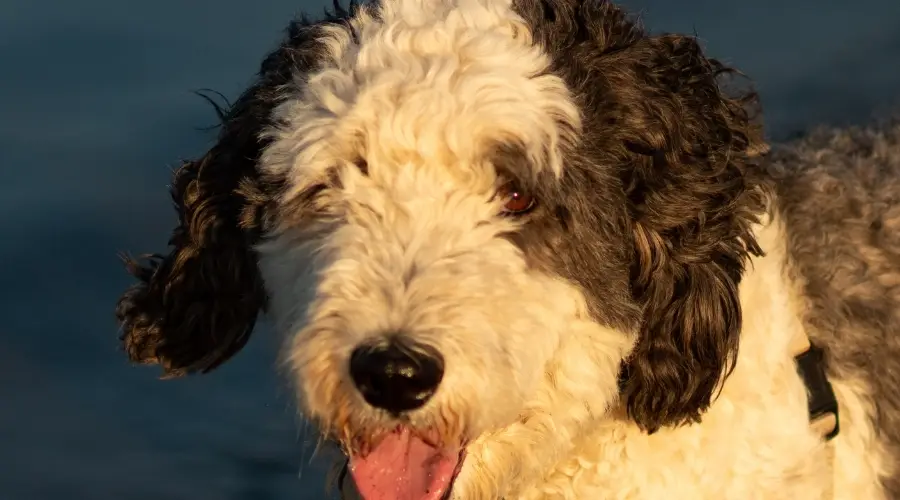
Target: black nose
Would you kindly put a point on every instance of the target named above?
(396, 376)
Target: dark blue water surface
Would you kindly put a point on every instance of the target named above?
(95, 107)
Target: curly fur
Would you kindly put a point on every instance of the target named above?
(628, 338)
(196, 307)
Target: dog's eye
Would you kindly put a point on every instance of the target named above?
(518, 201)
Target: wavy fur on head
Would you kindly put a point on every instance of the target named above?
(685, 149)
(627, 335)
(693, 196)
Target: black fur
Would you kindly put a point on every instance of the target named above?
(667, 155)
(196, 307)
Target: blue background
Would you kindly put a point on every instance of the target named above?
(95, 107)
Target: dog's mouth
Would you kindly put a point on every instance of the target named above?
(403, 465)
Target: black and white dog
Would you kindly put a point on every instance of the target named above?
(523, 249)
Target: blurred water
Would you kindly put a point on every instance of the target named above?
(94, 108)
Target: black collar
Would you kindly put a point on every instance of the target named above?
(822, 402)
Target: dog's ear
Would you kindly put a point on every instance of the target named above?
(194, 308)
(693, 193)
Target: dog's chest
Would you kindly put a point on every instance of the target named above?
(752, 457)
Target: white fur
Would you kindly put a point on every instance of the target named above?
(429, 89)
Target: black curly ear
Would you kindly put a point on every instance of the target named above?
(693, 194)
(195, 308)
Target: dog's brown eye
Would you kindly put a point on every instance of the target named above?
(518, 201)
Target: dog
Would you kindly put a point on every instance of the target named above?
(524, 249)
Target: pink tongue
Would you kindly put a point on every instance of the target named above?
(404, 467)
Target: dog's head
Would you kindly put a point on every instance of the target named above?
(474, 223)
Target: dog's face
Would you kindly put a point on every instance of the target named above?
(466, 220)
(417, 165)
